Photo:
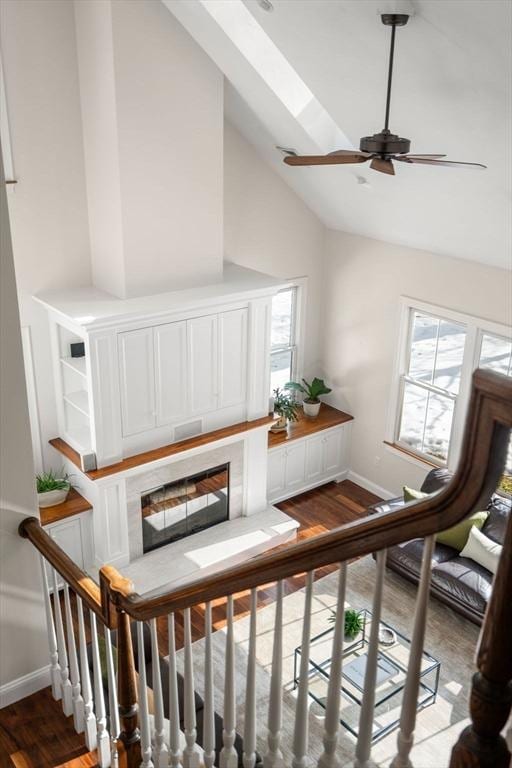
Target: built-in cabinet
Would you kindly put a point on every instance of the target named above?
(301, 464)
(175, 371)
(74, 537)
(148, 381)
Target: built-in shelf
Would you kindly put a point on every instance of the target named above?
(78, 400)
(75, 504)
(76, 364)
(304, 427)
(80, 439)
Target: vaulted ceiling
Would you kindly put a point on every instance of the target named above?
(311, 75)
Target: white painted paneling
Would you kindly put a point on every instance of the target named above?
(260, 314)
(295, 465)
(232, 357)
(276, 469)
(170, 346)
(137, 380)
(104, 385)
(314, 458)
(332, 454)
(203, 364)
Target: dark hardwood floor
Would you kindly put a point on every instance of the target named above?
(35, 734)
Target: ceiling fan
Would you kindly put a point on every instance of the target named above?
(384, 147)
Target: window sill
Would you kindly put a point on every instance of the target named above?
(411, 457)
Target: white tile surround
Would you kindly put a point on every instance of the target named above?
(149, 479)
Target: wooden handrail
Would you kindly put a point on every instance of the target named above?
(30, 528)
(488, 424)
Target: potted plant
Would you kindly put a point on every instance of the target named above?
(51, 489)
(286, 408)
(354, 623)
(312, 392)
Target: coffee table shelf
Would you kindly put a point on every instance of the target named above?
(392, 671)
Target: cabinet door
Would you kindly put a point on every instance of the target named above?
(314, 459)
(295, 465)
(232, 357)
(275, 473)
(170, 342)
(68, 535)
(137, 381)
(202, 359)
(333, 452)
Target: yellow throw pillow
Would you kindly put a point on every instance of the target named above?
(457, 536)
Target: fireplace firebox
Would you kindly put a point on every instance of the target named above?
(183, 507)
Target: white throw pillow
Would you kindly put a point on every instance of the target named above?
(482, 550)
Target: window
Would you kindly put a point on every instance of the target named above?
(439, 351)
(283, 338)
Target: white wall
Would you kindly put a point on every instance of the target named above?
(364, 279)
(48, 207)
(269, 228)
(22, 624)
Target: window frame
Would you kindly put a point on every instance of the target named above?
(297, 330)
(476, 328)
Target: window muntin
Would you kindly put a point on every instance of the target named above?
(283, 338)
(431, 384)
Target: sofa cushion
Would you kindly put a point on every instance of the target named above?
(465, 581)
(482, 550)
(436, 479)
(457, 535)
(410, 494)
(409, 554)
(499, 513)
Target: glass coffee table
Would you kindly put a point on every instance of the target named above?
(391, 675)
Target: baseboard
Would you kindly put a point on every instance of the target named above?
(24, 686)
(369, 485)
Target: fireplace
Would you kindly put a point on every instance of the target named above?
(185, 506)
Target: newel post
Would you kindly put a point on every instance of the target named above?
(112, 585)
(480, 745)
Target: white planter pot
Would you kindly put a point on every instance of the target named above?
(311, 409)
(51, 498)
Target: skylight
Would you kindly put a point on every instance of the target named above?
(264, 56)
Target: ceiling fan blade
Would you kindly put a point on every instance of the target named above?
(349, 152)
(382, 165)
(334, 159)
(418, 157)
(426, 161)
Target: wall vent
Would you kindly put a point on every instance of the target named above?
(192, 428)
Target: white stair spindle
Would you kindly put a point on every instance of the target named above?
(405, 738)
(145, 729)
(113, 708)
(209, 710)
(74, 672)
(103, 738)
(160, 752)
(301, 730)
(249, 754)
(274, 757)
(174, 711)
(228, 753)
(67, 693)
(85, 675)
(191, 753)
(55, 674)
(328, 757)
(364, 739)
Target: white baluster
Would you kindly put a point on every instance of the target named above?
(191, 753)
(160, 752)
(274, 757)
(405, 738)
(174, 710)
(113, 708)
(301, 730)
(55, 673)
(328, 757)
(145, 729)
(249, 755)
(67, 693)
(74, 673)
(103, 738)
(209, 711)
(89, 718)
(364, 739)
(228, 753)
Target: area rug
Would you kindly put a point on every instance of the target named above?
(450, 639)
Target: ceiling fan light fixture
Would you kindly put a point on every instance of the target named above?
(266, 5)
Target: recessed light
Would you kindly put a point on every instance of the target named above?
(266, 5)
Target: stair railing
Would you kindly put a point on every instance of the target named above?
(488, 425)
